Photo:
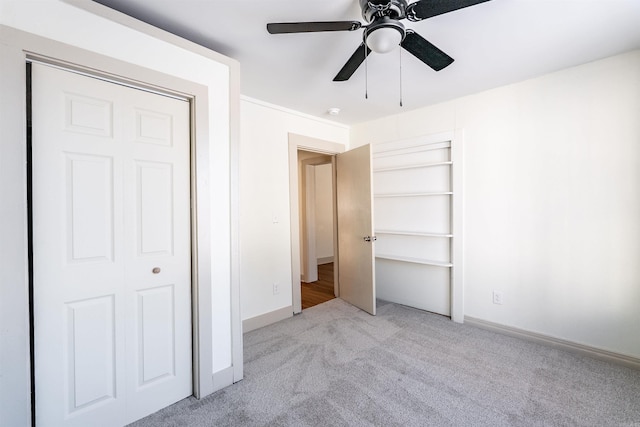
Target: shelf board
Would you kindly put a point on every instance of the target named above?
(412, 149)
(414, 260)
(443, 193)
(412, 233)
(418, 166)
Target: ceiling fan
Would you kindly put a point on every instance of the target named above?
(384, 31)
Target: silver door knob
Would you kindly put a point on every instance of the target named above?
(156, 270)
(370, 238)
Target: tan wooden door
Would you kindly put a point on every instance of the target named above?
(356, 254)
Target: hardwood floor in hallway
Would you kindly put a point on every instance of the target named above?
(315, 293)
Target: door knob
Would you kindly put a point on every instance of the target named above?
(156, 270)
(370, 238)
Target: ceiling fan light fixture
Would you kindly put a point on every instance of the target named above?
(384, 35)
(384, 40)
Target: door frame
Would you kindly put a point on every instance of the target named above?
(315, 145)
(21, 47)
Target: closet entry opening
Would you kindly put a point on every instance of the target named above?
(317, 210)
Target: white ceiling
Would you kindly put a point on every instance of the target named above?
(493, 44)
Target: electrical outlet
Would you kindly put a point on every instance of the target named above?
(498, 297)
(276, 289)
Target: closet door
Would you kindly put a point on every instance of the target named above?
(111, 250)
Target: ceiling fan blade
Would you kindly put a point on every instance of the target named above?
(424, 9)
(352, 64)
(426, 52)
(312, 27)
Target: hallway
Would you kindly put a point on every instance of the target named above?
(321, 290)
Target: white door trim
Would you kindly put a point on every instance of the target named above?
(15, 50)
(457, 224)
(301, 142)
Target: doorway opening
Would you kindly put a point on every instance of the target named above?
(317, 227)
(353, 236)
(318, 147)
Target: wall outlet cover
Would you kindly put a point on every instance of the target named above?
(498, 297)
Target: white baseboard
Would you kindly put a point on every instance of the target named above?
(254, 323)
(609, 356)
(325, 260)
(222, 379)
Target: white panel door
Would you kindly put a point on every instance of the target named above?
(111, 250)
(356, 262)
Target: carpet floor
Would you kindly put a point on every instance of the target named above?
(334, 365)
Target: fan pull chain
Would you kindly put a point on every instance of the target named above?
(400, 50)
(366, 73)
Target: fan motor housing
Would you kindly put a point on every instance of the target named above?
(372, 9)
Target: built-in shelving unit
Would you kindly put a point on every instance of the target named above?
(418, 264)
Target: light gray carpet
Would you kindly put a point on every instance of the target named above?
(334, 365)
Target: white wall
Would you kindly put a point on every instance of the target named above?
(551, 199)
(324, 211)
(135, 43)
(303, 157)
(265, 246)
